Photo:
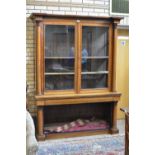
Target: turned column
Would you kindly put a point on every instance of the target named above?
(40, 123)
(39, 58)
(39, 78)
(114, 105)
(114, 56)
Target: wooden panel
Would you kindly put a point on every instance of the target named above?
(79, 101)
(76, 101)
(59, 22)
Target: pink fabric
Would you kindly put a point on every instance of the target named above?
(80, 125)
(89, 126)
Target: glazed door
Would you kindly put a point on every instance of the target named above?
(59, 57)
(95, 57)
(77, 57)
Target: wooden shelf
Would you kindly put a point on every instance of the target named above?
(99, 72)
(59, 57)
(72, 73)
(96, 57)
(60, 73)
(76, 134)
(92, 57)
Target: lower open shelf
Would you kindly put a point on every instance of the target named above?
(63, 121)
(77, 127)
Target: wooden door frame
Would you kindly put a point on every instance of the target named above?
(65, 23)
(110, 69)
(77, 63)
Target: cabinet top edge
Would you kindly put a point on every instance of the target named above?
(41, 16)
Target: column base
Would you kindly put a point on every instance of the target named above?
(41, 137)
(114, 130)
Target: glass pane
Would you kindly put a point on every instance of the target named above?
(95, 65)
(59, 57)
(94, 81)
(59, 82)
(59, 65)
(94, 57)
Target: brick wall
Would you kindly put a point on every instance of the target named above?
(30, 62)
(75, 7)
(65, 7)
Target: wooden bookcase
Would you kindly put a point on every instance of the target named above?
(75, 65)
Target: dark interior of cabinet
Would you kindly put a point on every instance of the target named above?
(69, 113)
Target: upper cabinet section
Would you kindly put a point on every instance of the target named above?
(74, 54)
